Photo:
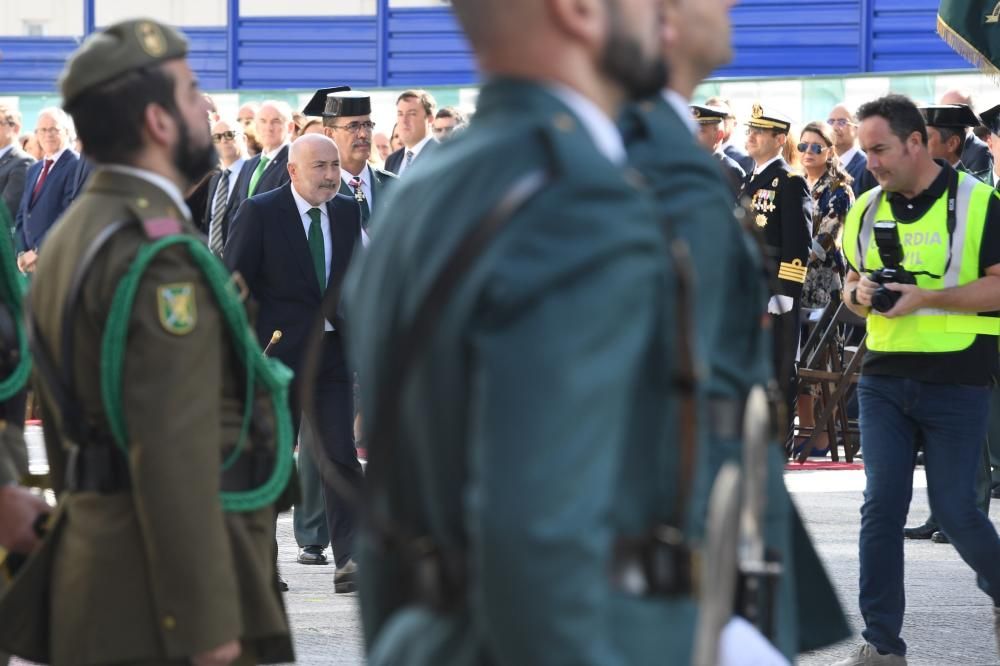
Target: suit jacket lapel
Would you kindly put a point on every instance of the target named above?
(298, 243)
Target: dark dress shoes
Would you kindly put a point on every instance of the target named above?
(345, 578)
(940, 537)
(923, 532)
(282, 585)
(311, 555)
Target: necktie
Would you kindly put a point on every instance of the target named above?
(257, 173)
(316, 248)
(409, 159)
(218, 212)
(359, 196)
(41, 181)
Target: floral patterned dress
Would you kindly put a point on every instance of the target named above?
(832, 198)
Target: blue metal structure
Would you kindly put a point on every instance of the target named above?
(409, 47)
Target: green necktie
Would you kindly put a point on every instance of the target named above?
(316, 248)
(257, 173)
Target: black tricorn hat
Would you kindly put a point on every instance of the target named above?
(991, 118)
(954, 116)
(318, 102)
(347, 103)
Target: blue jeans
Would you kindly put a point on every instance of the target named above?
(953, 420)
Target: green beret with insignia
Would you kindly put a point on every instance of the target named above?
(116, 50)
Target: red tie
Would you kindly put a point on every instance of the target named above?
(41, 181)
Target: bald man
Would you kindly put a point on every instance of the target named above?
(290, 244)
(976, 155)
(532, 455)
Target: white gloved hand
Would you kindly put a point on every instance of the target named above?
(742, 645)
(779, 305)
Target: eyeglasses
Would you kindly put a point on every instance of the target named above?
(48, 130)
(814, 148)
(354, 128)
(839, 122)
(228, 136)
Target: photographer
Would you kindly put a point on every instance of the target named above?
(924, 257)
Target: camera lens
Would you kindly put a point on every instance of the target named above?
(883, 299)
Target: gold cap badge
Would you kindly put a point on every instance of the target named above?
(151, 38)
(757, 111)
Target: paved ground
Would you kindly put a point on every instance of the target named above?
(948, 618)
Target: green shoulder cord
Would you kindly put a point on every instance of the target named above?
(12, 288)
(272, 374)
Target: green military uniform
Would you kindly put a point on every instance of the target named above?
(731, 298)
(381, 183)
(540, 424)
(146, 567)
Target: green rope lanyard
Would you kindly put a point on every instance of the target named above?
(13, 286)
(274, 376)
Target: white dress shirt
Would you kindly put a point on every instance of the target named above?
(234, 172)
(415, 150)
(602, 130)
(324, 223)
(366, 183)
(760, 167)
(846, 158)
(6, 149)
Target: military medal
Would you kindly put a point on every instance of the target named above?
(761, 220)
(359, 194)
(774, 183)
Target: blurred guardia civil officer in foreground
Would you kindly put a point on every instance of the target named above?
(520, 368)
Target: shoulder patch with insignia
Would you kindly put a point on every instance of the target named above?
(176, 306)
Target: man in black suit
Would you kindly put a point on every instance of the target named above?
(730, 143)
(414, 117)
(289, 244)
(267, 171)
(14, 162)
(710, 135)
(976, 155)
(845, 141)
(232, 148)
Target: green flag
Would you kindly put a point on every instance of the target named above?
(972, 28)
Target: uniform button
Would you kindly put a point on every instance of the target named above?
(169, 623)
(142, 202)
(563, 122)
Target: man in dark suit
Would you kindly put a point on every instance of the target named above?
(347, 120)
(414, 117)
(730, 143)
(289, 244)
(267, 171)
(976, 155)
(710, 135)
(845, 141)
(779, 205)
(232, 148)
(48, 187)
(14, 162)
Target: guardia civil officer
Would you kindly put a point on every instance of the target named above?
(161, 550)
(931, 360)
(347, 119)
(946, 128)
(734, 346)
(531, 453)
(777, 202)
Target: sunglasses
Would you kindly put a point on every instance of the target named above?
(229, 136)
(814, 148)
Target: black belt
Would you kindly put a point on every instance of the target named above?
(725, 417)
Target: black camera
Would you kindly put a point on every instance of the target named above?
(891, 253)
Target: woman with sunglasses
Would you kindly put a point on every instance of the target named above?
(832, 196)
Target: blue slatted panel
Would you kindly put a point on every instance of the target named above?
(208, 56)
(795, 37)
(307, 52)
(904, 38)
(32, 64)
(427, 47)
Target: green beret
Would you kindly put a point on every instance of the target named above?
(116, 50)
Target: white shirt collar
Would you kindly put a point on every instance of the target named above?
(270, 154)
(601, 129)
(760, 167)
(846, 158)
(682, 107)
(55, 158)
(234, 168)
(347, 176)
(420, 146)
(156, 179)
(5, 150)
(304, 206)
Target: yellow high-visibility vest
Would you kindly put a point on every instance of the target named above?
(925, 245)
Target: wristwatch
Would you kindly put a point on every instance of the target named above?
(854, 296)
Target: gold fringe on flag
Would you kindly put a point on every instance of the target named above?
(961, 46)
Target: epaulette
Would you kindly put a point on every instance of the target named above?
(160, 227)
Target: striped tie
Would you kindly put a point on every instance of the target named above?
(218, 213)
(409, 159)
